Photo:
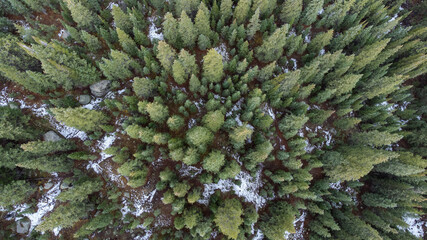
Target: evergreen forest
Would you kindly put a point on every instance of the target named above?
(213, 119)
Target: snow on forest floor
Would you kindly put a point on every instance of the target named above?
(138, 201)
(415, 226)
(154, 32)
(46, 204)
(248, 189)
(222, 50)
(299, 230)
(41, 110)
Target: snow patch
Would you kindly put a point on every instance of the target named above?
(248, 188)
(45, 205)
(153, 30)
(40, 110)
(222, 50)
(189, 171)
(415, 225)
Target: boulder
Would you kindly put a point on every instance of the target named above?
(65, 185)
(101, 88)
(84, 99)
(23, 225)
(15, 105)
(51, 136)
(48, 185)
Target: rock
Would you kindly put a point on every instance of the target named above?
(51, 136)
(84, 99)
(48, 185)
(65, 185)
(15, 105)
(126, 194)
(101, 88)
(64, 34)
(23, 225)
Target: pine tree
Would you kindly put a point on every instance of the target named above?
(50, 163)
(45, 147)
(368, 54)
(188, 62)
(83, 16)
(214, 161)
(278, 220)
(64, 216)
(144, 87)
(62, 65)
(213, 120)
(310, 12)
(80, 118)
(202, 21)
(118, 67)
(170, 29)
(91, 41)
(242, 10)
(194, 84)
(405, 165)
(121, 19)
(14, 125)
(375, 138)
(213, 66)
(352, 163)
(228, 218)
(319, 116)
(346, 38)
(187, 31)
(199, 136)
(157, 111)
(166, 55)
(127, 43)
(188, 6)
(15, 192)
(192, 216)
(175, 122)
(291, 11)
(203, 42)
(320, 41)
(346, 123)
(266, 7)
(345, 84)
(80, 191)
(272, 48)
(290, 125)
(267, 72)
(254, 25)
(181, 189)
(178, 72)
(226, 9)
(239, 135)
(258, 155)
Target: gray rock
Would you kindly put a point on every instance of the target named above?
(48, 185)
(65, 185)
(64, 34)
(15, 105)
(23, 225)
(51, 136)
(84, 99)
(101, 88)
(126, 194)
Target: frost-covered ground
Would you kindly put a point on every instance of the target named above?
(154, 32)
(415, 225)
(46, 204)
(248, 189)
(222, 50)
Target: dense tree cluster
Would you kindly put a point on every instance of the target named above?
(213, 119)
